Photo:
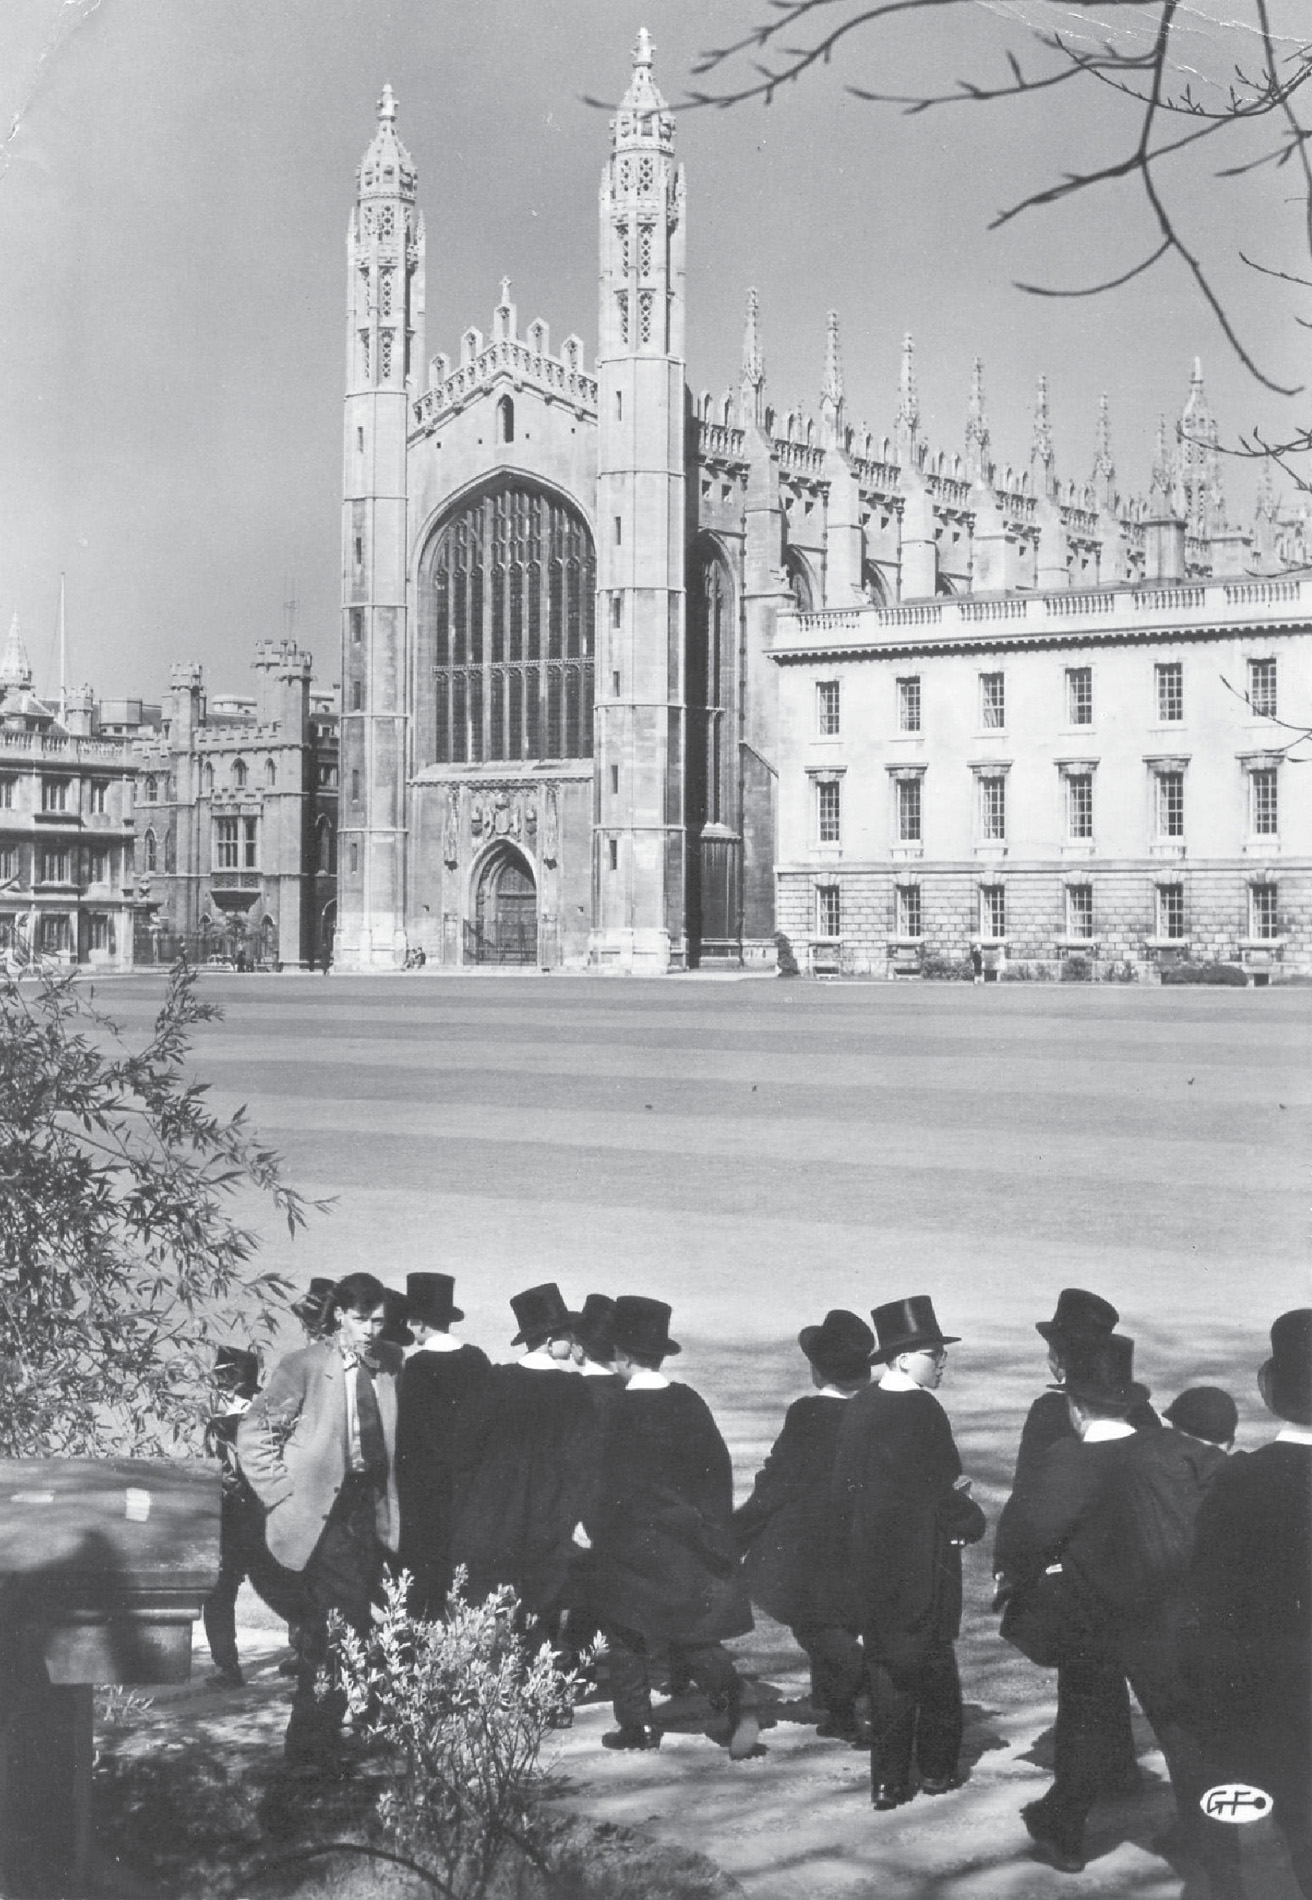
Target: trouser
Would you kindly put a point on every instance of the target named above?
(914, 1710)
(343, 1574)
(838, 1670)
(709, 1665)
(243, 1553)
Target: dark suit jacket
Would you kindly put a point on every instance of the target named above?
(897, 1514)
(786, 1529)
(1251, 1579)
(527, 1472)
(292, 1446)
(664, 1562)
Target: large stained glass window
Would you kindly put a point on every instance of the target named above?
(510, 584)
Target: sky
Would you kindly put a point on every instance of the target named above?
(176, 178)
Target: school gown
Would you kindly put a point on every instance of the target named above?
(434, 1407)
(787, 1529)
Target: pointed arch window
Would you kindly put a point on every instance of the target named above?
(149, 851)
(507, 610)
(239, 775)
(505, 420)
(270, 773)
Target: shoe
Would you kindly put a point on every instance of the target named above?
(744, 1734)
(940, 1784)
(886, 1795)
(228, 1677)
(1046, 1846)
(632, 1736)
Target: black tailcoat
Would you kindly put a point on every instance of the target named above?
(897, 1513)
(1054, 1514)
(434, 1410)
(527, 1474)
(664, 1562)
(1251, 1580)
(787, 1529)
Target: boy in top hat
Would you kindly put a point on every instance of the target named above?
(242, 1550)
(1252, 1660)
(663, 1569)
(319, 1448)
(529, 1463)
(786, 1527)
(904, 1511)
(1057, 1523)
(439, 1387)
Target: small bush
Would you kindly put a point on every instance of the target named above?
(1225, 975)
(938, 967)
(461, 1709)
(1076, 970)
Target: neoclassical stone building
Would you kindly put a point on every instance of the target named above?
(611, 653)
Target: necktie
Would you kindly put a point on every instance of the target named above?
(373, 1446)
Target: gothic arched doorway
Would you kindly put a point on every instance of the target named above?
(505, 922)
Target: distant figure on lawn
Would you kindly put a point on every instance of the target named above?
(903, 1512)
(1252, 1587)
(318, 1446)
(440, 1385)
(663, 1569)
(786, 1529)
(243, 1551)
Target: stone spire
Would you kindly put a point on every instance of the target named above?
(910, 449)
(1199, 464)
(643, 94)
(751, 388)
(1041, 449)
(375, 180)
(979, 467)
(643, 118)
(15, 667)
(1104, 469)
(831, 393)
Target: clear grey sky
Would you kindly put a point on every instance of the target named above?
(173, 207)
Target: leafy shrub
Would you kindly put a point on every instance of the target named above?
(941, 968)
(1076, 970)
(461, 1709)
(1226, 975)
(785, 961)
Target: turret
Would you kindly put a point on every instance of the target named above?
(639, 862)
(751, 387)
(979, 465)
(831, 390)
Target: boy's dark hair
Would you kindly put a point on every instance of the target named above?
(357, 1293)
(649, 1361)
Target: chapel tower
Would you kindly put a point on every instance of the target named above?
(384, 347)
(639, 912)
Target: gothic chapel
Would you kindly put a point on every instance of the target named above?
(567, 599)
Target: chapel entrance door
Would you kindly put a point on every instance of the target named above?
(505, 924)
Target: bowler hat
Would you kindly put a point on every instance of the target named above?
(594, 1329)
(312, 1306)
(1101, 1372)
(429, 1297)
(541, 1313)
(642, 1327)
(396, 1311)
(840, 1347)
(1287, 1375)
(238, 1365)
(906, 1326)
(1205, 1411)
(1079, 1315)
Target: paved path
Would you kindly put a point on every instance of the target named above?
(756, 1152)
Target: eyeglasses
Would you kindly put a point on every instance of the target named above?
(939, 1354)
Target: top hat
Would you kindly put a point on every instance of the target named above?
(238, 1365)
(1287, 1374)
(840, 1348)
(1101, 1371)
(429, 1298)
(396, 1311)
(905, 1326)
(1205, 1411)
(594, 1328)
(642, 1326)
(313, 1303)
(541, 1313)
(1079, 1315)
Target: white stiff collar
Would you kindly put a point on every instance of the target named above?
(591, 1370)
(834, 1392)
(1099, 1431)
(1294, 1435)
(895, 1380)
(645, 1380)
(540, 1360)
(436, 1342)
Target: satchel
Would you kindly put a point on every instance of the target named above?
(1050, 1618)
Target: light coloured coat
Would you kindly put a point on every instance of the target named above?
(292, 1444)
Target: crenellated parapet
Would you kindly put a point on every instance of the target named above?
(506, 358)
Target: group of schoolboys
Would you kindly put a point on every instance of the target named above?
(602, 1491)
